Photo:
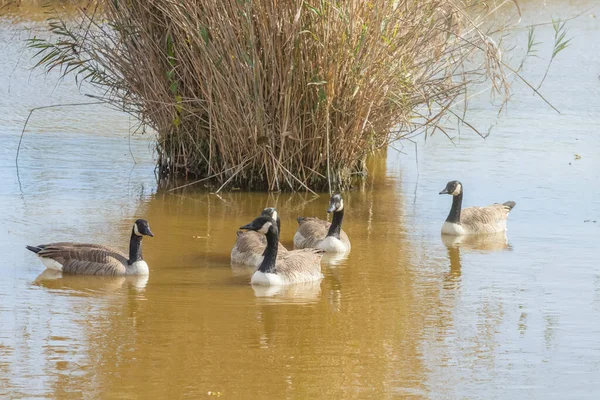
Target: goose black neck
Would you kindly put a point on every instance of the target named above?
(336, 224)
(278, 230)
(278, 227)
(454, 215)
(135, 248)
(268, 263)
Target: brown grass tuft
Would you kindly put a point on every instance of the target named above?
(276, 95)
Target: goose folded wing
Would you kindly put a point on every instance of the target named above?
(484, 215)
(76, 245)
(299, 264)
(313, 228)
(250, 242)
(85, 260)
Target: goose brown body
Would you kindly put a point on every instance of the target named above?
(83, 259)
(490, 219)
(296, 266)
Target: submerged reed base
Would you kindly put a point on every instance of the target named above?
(279, 95)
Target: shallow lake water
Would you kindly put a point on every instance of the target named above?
(404, 314)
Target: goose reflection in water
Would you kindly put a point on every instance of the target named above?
(470, 243)
(52, 279)
(488, 243)
(298, 293)
(334, 259)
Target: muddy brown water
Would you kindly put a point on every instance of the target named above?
(405, 314)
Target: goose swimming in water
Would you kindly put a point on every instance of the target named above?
(319, 234)
(473, 220)
(294, 266)
(250, 246)
(95, 259)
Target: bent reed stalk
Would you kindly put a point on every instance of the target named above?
(277, 95)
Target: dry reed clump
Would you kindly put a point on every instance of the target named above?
(276, 95)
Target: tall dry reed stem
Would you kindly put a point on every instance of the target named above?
(269, 94)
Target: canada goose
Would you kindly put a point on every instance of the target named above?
(95, 259)
(473, 220)
(294, 266)
(250, 246)
(319, 234)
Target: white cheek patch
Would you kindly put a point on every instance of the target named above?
(274, 215)
(457, 190)
(265, 228)
(341, 207)
(136, 230)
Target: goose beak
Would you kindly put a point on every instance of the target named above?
(445, 191)
(150, 233)
(331, 208)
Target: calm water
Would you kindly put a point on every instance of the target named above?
(403, 315)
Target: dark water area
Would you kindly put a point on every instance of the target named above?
(406, 313)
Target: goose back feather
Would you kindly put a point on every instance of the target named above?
(77, 245)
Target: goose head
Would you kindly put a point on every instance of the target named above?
(262, 225)
(141, 228)
(453, 188)
(336, 203)
(271, 212)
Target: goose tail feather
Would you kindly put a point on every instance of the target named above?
(35, 249)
